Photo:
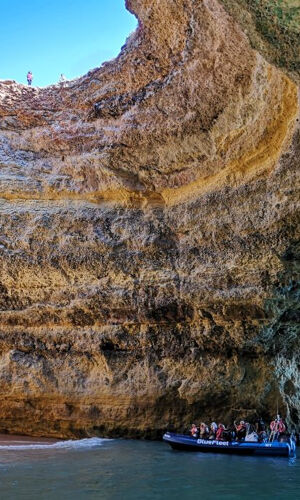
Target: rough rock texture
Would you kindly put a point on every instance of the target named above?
(273, 27)
(149, 230)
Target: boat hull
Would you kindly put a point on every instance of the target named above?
(188, 443)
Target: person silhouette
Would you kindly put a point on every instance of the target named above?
(62, 79)
(29, 77)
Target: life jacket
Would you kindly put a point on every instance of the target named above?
(274, 426)
(281, 427)
(219, 433)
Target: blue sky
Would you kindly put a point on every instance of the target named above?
(50, 37)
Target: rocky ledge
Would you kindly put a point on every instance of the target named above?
(149, 231)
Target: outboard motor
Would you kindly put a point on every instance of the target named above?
(292, 446)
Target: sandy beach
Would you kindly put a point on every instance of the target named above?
(15, 440)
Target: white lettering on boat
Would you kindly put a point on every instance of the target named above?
(210, 443)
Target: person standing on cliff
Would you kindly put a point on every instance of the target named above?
(29, 78)
(62, 80)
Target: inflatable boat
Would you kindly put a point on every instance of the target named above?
(188, 443)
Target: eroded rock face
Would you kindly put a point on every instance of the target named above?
(149, 233)
(273, 27)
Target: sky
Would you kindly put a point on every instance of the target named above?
(50, 37)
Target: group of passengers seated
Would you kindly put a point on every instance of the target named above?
(242, 431)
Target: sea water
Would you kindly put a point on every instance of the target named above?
(119, 469)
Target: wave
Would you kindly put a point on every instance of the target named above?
(70, 444)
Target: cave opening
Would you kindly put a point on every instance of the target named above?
(51, 38)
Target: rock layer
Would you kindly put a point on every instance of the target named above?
(149, 233)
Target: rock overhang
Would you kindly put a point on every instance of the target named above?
(145, 211)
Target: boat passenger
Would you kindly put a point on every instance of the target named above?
(281, 427)
(212, 431)
(240, 430)
(194, 431)
(260, 426)
(251, 434)
(278, 428)
(220, 432)
(229, 434)
(261, 430)
(204, 431)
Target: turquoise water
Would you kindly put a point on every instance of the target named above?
(115, 469)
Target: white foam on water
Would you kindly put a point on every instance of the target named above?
(70, 444)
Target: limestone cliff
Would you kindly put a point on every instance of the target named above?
(149, 232)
